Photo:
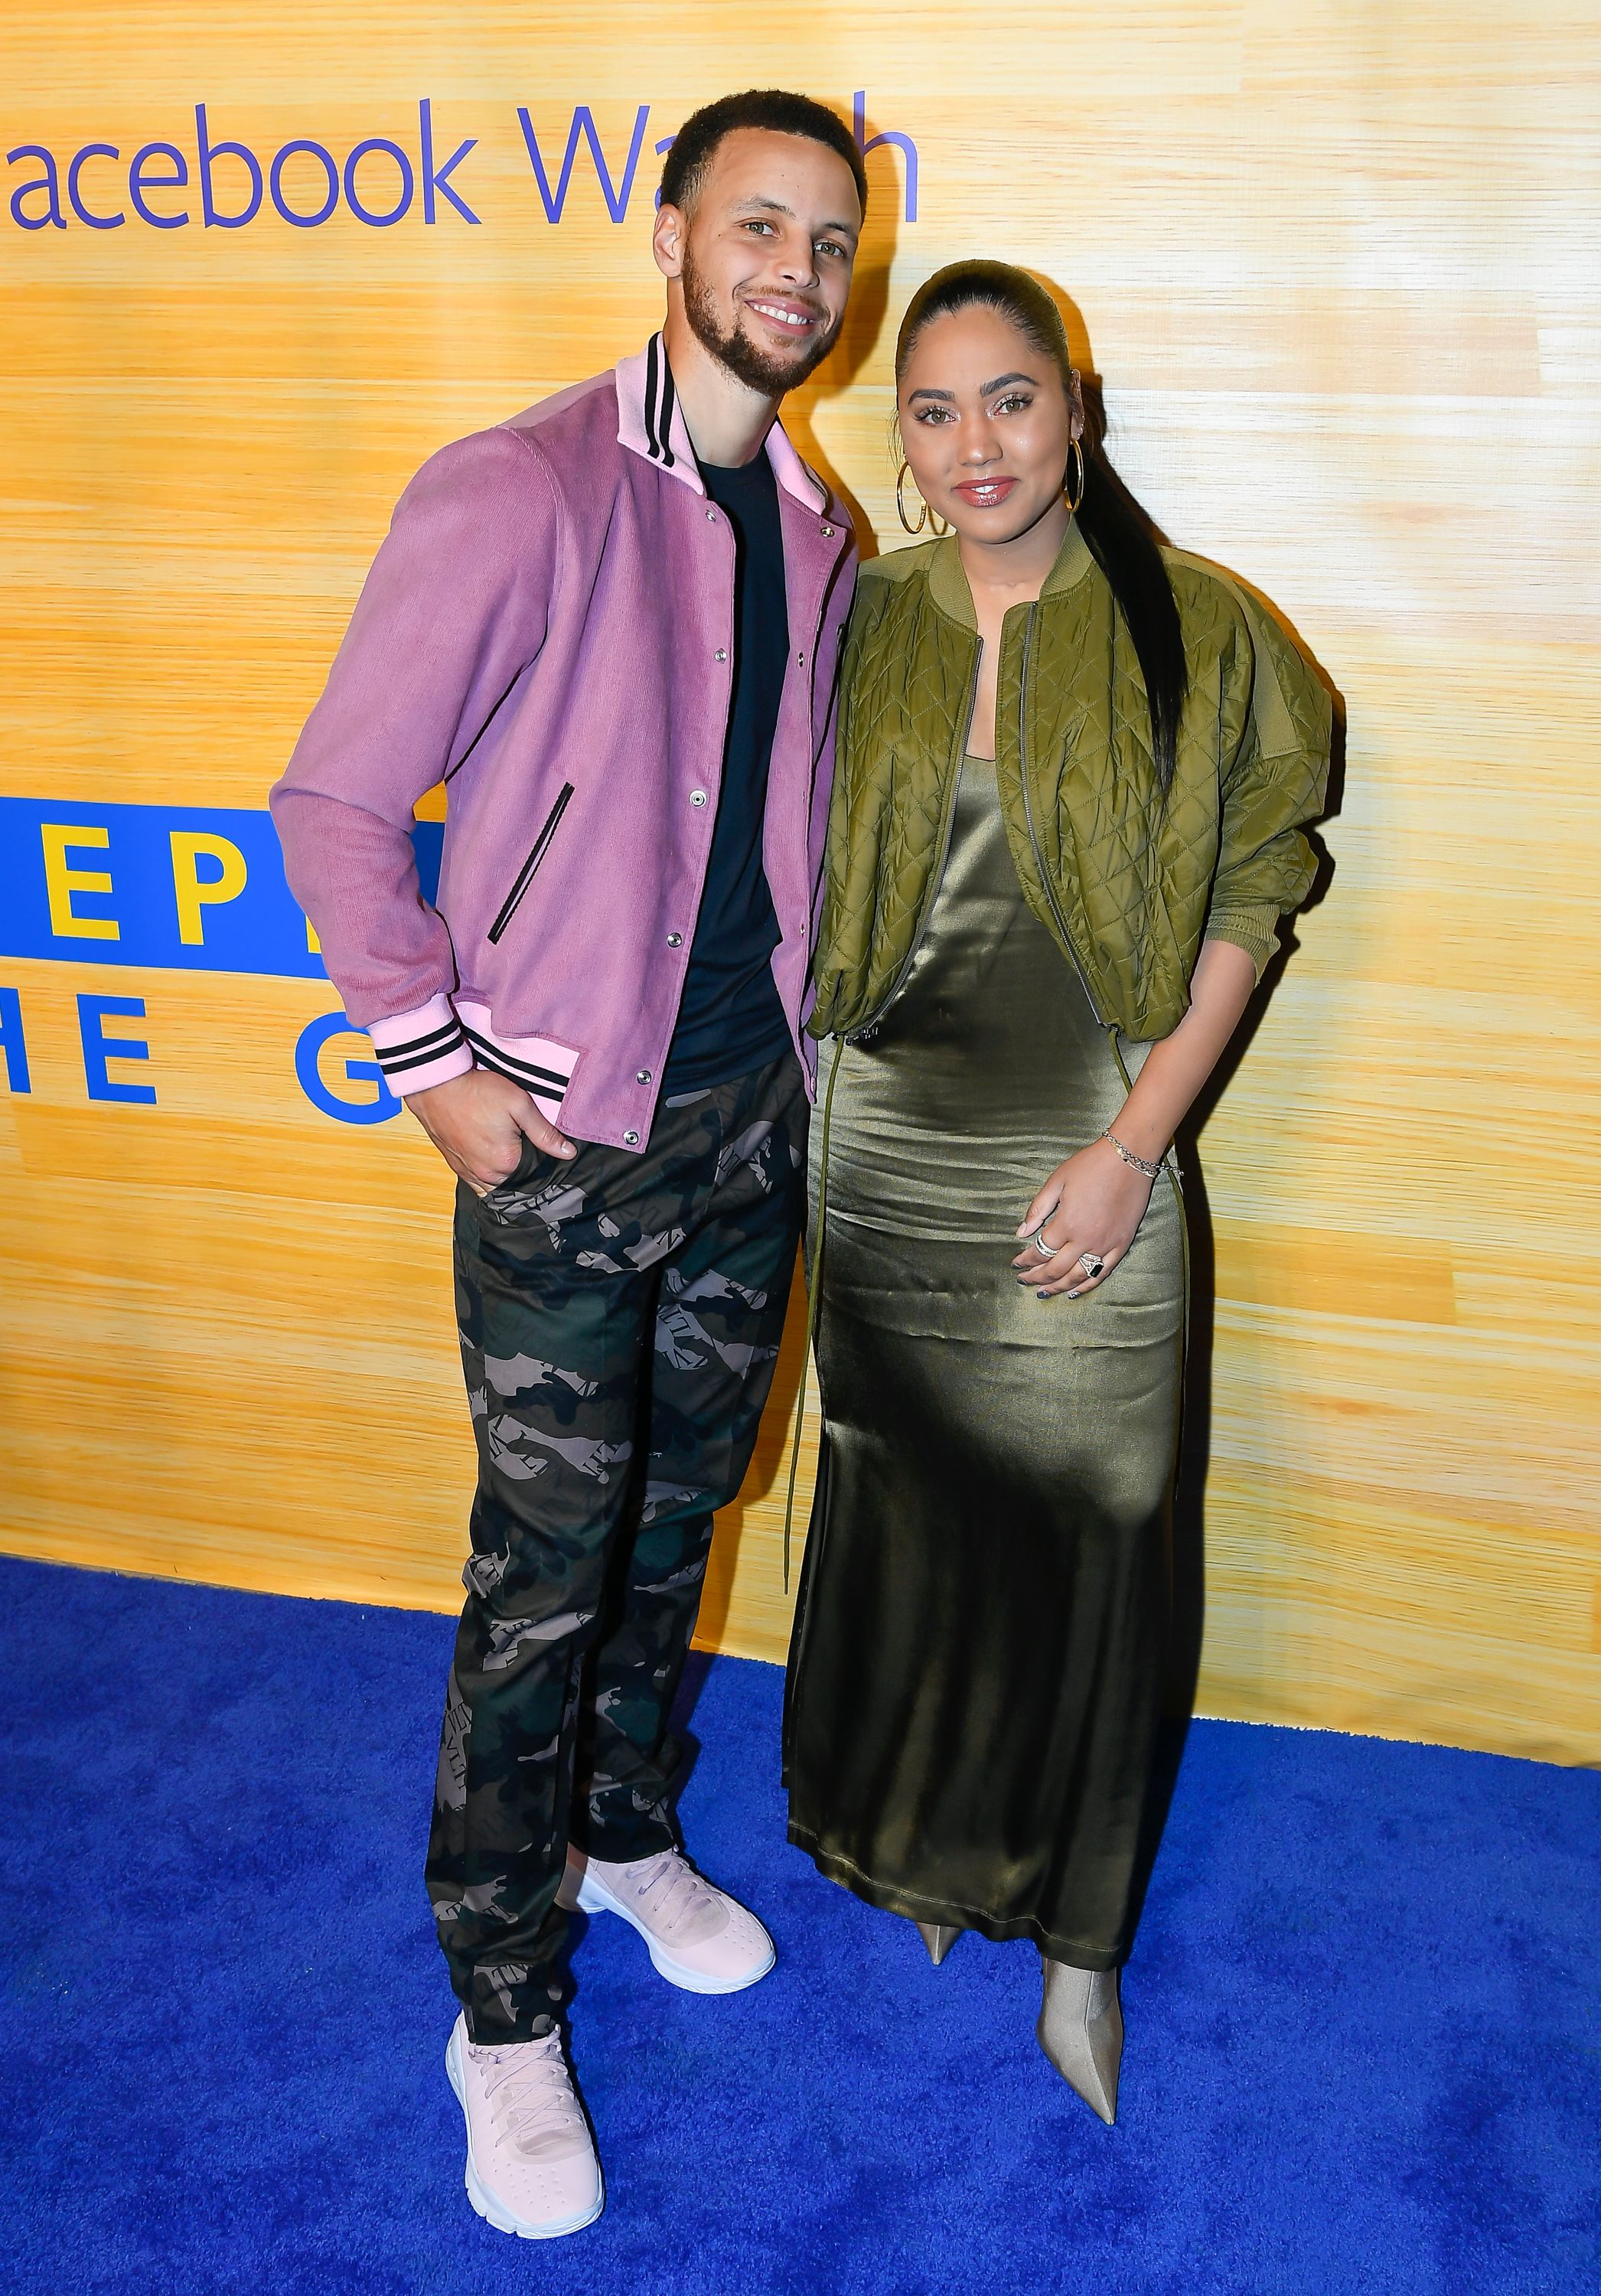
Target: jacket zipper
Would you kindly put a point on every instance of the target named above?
(1028, 809)
(1112, 1030)
(525, 874)
(859, 1036)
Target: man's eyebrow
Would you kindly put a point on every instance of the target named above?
(777, 207)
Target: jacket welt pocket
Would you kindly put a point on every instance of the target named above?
(525, 875)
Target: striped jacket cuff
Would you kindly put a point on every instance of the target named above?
(419, 1049)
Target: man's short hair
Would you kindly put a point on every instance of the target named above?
(776, 109)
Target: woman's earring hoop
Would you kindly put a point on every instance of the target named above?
(926, 515)
(900, 480)
(1076, 446)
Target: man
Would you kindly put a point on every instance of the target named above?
(610, 627)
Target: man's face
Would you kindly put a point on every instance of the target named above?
(764, 255)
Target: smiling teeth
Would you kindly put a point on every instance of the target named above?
(789, 318)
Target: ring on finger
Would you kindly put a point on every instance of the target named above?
(1045, 1251)
(1092, 1263)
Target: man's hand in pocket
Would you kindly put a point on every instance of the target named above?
(478, 1122)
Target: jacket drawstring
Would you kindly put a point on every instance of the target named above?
(813, 1286)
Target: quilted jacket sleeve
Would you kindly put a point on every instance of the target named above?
(1275, 785)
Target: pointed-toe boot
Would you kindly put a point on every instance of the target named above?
(1080, 2029)
(938, 1940)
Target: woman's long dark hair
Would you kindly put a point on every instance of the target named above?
(1114, 525)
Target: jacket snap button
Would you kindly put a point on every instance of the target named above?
(642, 1075)
(711, 514)
(722, 653)
(631, 1139)
(697, 797)
(828, 534)
(675, 940)
(801, 658)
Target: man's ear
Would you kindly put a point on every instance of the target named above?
(668, 239)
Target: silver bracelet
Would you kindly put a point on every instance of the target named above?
(1150, 1171)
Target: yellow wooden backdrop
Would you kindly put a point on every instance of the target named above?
(1337, 266)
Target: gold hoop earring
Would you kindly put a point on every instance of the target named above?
(1075, 446)
(900, 480)
(926, 516)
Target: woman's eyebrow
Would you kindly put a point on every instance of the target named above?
(1000, 382)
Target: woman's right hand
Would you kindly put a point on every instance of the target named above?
(1093, 1203)
(478, 1122)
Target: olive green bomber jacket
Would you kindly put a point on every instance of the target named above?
(1128, 883)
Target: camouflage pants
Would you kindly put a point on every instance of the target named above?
(619, 1319)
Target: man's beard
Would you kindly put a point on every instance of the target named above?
(756, 369)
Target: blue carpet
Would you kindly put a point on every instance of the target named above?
(1364, 2048)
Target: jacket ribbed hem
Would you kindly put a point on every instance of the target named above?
(1254, 930)
(421, 1049)
(443, 1038)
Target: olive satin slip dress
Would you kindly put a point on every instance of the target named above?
(976, 1673)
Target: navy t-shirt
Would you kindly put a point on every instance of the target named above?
(731, 1019)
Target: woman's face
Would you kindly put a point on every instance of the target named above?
(986, 424)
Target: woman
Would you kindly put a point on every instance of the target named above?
(1072, 773)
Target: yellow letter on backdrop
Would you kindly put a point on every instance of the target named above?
(61, 883)
(191, 891)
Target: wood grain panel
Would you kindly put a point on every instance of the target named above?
(1335, 266)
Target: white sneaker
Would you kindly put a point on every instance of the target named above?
(699, 1938)
(531, 2165)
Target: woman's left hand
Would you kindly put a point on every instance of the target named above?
(1092, 1203)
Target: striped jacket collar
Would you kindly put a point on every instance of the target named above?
(650, 422)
